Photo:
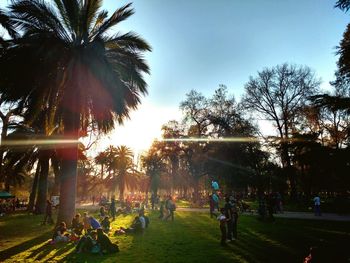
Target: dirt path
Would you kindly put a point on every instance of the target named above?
(295, 215)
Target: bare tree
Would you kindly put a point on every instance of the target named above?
(278, 94)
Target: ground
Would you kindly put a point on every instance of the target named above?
(192, 237)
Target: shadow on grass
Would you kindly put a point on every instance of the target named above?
(8, 253)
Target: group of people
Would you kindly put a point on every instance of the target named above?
(88, 232)
(228, 219)
(10, 205)
(228, 214)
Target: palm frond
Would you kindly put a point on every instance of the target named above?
(6, 23)
(118, 16)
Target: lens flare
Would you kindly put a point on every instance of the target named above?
(227, 139)
(234, 139)
(25, 143)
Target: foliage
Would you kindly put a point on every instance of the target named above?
(74, 71)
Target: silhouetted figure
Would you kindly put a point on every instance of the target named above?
(48, 213)
(222, 224)
(113, 208)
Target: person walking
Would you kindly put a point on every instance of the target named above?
(171, 207)
(317, 204)
(229, 218)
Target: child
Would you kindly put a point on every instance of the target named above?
(222, 220)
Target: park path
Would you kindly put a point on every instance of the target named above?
(286, 214)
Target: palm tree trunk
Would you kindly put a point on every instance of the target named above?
(34, 189)
(56, 171)
(42, 188)
(68, 186)
(121, 188)
(5, 124)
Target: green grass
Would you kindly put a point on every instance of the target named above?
(192, 237)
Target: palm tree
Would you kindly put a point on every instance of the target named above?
(87, 77)
(102, 160)
(124, 167)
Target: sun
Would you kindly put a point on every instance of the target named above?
(141, 130)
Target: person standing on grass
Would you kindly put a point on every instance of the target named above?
(211, 206)
(229, 218)
(234, 220)
(48, 213)
(171, 207)
(161, 210)
(222, 223)
(317, 203)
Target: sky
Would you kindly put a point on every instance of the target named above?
(199, 44)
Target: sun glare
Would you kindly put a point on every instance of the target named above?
(141, 130)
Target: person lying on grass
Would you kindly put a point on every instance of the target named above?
(136, 227)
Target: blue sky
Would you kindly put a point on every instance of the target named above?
(199, 44)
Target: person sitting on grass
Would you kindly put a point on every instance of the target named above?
(89, 243)
(60, 234)
(86, 222)
(105, 243)
(102, 212)
(94, 223)
(77, 225)
(106, 225)
(136, 227)
(222, 220)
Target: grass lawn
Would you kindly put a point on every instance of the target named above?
(192, 237)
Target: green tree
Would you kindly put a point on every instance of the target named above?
(88, 78)
(154, 166)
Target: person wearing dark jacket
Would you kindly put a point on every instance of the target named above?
(105, 243)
